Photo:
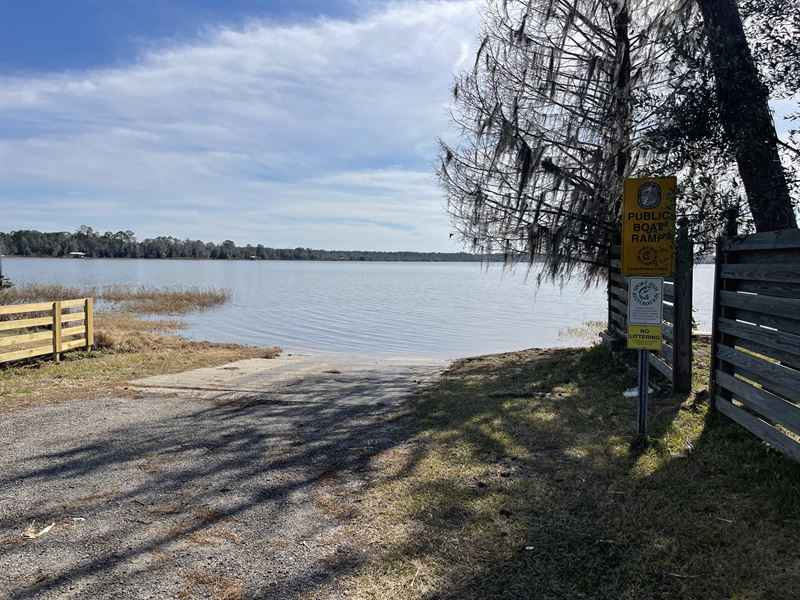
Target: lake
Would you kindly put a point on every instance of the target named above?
(381, 309)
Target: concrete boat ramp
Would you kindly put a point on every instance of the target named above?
(233, 479)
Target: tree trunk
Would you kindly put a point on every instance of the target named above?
(745, 116)
(621, 103)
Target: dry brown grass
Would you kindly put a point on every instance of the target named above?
(335, 505)
(96, 374)
(159, 557)
(152, 464)
(212, 537)
(220, 587)
(166, 300)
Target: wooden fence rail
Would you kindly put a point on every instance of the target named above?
(755, 352)
(63, 324)
(674, 359)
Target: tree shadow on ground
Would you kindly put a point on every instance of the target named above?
(245, 485)
(510, 476)
(526, 487)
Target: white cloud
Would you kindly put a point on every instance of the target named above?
(319, 134)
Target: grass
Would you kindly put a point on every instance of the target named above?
(126, 346)
(218, 587)
(522, 483)
(166, 300)
(95, 374)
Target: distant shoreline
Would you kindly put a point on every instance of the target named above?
(88, 243)
(331, 260)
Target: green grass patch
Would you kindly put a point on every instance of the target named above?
(522, 483)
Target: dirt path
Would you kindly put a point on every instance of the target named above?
(226, 482)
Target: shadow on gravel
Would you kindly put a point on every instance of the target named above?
(259, 478)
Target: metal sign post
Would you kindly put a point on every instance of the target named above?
(644, 385)
(648, 231)
(645, 313)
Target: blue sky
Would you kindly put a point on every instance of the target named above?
(288, 123)
(284, 123)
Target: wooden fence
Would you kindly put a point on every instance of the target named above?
(674, 359)
(755, 352)
(63, 324)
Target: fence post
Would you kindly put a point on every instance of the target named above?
(717, 337)
(89, 321)
(682, 333)
(57, 330)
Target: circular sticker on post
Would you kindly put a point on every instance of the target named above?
(645, 300)
(646, 292)
(649, 195)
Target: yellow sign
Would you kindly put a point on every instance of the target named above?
(648, 226)
(644, 337)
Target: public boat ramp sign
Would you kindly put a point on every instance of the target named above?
(648, 226)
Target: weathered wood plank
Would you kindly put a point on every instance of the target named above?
(669, 293)
(89, 322)
(775, 408)
(660, 366)
(619, 333)
(57, 330)
(667, 332)
(768, 240)
(615, 263)
(619, 293)
(780, 307)
(786, 342)
(27, 353)
(779, 323)
(682, 311)
(71, 345)
(669, 313)
(790, 360)
(788, 273)
(617, 304)
(80, 302)
(667, 353)
(13, 340)
(78, 330)
(618, 320)
(777, 439)
(25, 323)
(766, 288)
(790, 256)
(15, 309)
(76, 316)
(779, 378)
(752, 376)
(619, 280)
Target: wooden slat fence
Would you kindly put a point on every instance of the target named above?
(38, 329)
(755, 352)
(674, 360)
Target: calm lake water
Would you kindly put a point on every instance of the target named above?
(439, 310)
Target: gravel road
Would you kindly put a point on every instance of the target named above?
(226, 482)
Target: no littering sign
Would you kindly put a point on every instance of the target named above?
(645, 312)
(644, 337)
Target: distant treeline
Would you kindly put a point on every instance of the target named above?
(123, 244)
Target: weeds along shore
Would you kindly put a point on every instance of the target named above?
(161, 300)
